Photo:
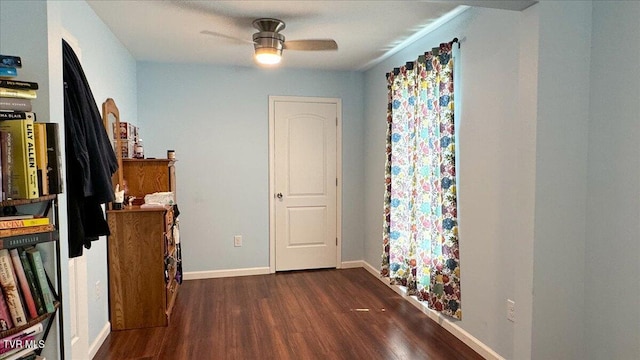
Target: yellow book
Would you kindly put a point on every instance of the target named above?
(11, 224)
(23, 171)
(18, 93)
(40, 131)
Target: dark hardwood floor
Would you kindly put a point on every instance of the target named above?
(294, 315)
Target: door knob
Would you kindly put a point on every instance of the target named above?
(279, 195)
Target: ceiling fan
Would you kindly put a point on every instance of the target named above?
(268, 42)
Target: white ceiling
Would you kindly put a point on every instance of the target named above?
(366, 31)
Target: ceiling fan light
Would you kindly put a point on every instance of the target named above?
(268, 56)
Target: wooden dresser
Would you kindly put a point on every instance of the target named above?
(143, 255)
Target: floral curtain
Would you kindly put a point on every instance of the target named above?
(420, 210)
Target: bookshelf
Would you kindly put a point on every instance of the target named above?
(22, 237)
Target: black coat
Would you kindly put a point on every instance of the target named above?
(90, 158)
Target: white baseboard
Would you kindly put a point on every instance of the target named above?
(351, 264)
(212, 274)
(471, 341)
(102, 336)
(375, 272)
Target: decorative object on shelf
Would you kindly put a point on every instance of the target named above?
(138, 150)
(119, 198)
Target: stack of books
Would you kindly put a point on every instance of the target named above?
(25, 296)
(14, 94)
(29, 151)
(128, 137)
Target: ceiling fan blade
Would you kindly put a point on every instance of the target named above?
(213, 33)
(311, 44)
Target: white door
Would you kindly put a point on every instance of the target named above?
(305, 182)
(78, 306)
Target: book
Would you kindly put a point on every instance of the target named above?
(17, 115)
(36, 264)
(26, 353)
(32, 281)
(15, 104)
(27, 230)
(18, 93)
(10, 289)
(8, 71)
(16, 217)
(19, 223)
(23, 170)
(54, 159)
(18, 84)
(28, 239)
(40, 132)
(6, 162)
(18, 270)
(5, 317)
(11, 60)
(2, 183)
(20, 339)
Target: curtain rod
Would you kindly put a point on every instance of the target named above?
(409, 64)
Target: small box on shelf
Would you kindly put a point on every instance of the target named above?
(128, 131)
(126, 148)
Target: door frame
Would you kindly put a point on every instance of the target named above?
(272, 202)
(77, 270)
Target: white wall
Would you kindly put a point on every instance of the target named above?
(216, 119)
(612, 271)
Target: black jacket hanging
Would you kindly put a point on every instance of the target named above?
(90, 158)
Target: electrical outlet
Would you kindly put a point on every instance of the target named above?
(98, 290)
(237, 240)
(511, 310)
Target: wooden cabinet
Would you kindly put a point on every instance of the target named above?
(143, 253)
(146, 176)
(142, 290)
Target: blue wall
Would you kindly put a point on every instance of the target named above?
(612, 266)
(216, 118)
(111, 72)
